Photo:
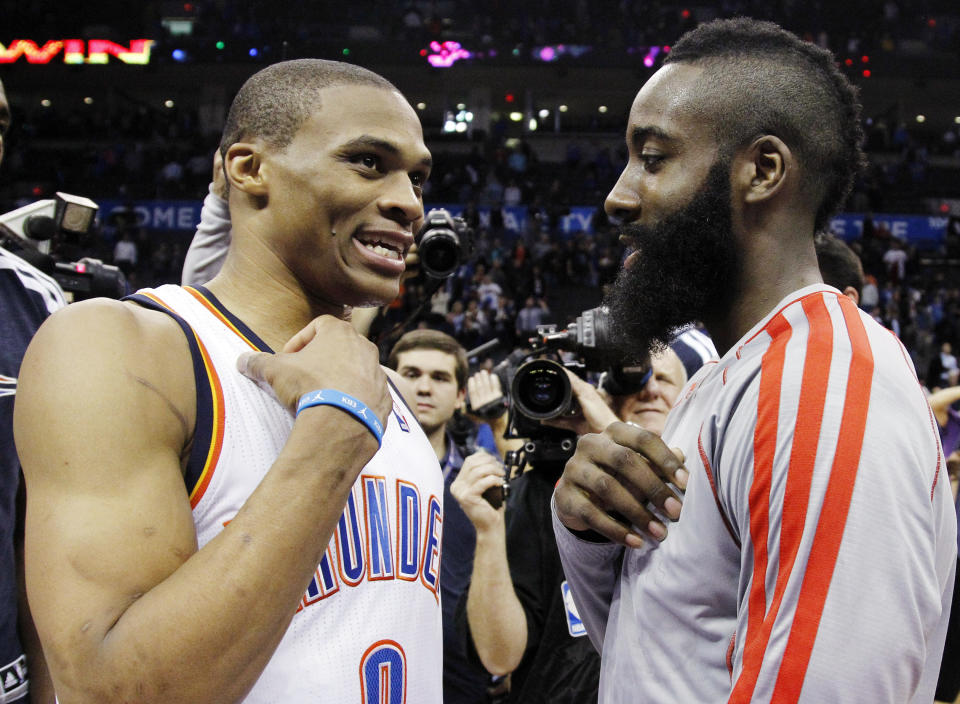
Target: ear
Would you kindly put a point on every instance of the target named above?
(243, 167)
(461, 395)
(851, 293)
(763, 167)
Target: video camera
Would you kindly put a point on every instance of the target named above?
(41, 232)
(540, 390)
(444, 243)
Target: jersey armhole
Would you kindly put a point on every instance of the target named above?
(204, 430)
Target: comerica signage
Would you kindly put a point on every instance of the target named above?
(76, 51)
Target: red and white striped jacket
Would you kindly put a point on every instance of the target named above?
(815, 555)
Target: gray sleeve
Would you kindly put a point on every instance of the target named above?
(210, 242)
(591, 570)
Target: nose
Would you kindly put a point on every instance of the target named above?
(400, 200)
(423, 385)
(652, 388)
(623, 201)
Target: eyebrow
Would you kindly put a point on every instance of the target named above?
(639, 135)
(370, 142)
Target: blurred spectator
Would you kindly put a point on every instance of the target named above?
(433, 368)
(125, 252)
(533, 313)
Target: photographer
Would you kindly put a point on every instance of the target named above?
(518, 617)
(27, 297)
(433, 371)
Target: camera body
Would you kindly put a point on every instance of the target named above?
(41, 231)
(443, 243)
(540, 390)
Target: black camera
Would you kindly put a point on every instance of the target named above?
(44, 232)
(540, 388)
(443, 243)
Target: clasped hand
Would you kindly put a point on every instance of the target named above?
(611, 480)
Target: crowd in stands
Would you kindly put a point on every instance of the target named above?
(535, 275)
(125, 149)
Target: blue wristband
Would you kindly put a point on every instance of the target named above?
(358, 409)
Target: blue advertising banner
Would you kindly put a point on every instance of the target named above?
(922, 231)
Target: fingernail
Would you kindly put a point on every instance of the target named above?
(682, 476)
(672, 507)
(634, 541)
(657, 530)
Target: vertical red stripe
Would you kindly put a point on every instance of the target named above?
(708, 470)
(833, 514)
(940, 453)
(803, 453)
(764, 450)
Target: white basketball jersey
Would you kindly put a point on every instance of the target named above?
(368, 629)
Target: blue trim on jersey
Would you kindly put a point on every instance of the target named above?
(203, 427)
(239, 324)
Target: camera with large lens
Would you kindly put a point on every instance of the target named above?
(540, 389)
(443, 243)
(46, 232)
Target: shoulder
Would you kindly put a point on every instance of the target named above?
(127, 363)
(103, 324)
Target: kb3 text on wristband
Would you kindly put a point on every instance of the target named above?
(358, 409)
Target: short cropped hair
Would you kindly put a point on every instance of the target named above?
(839, 265)
(769, 81)
(275, 102)
(432, 340)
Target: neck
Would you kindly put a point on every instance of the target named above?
(438, 440)
(258, 289)
(773, 266)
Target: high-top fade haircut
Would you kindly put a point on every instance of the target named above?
(275, 102)
(765, 80)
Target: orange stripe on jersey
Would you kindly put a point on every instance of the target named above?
(220, 316)
(833, 514)
(216, 444)
(803, 454)
(764, 451)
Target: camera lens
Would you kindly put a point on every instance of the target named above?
(541, 390)
(439, 250)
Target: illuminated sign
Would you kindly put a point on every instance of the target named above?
(444, 54)
(553, 52)
(77, 51)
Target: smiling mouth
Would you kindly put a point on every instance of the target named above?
(384, 249)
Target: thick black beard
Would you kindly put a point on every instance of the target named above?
(687, 270)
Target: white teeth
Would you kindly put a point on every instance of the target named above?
(382, 251)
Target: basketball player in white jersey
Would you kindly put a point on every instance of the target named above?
(227, 500)
(814, 556)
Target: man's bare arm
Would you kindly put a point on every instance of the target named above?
(127, 608)
(940, 401)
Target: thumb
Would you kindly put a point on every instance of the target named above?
(681, 474)
(259, 368)
(255, 365)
